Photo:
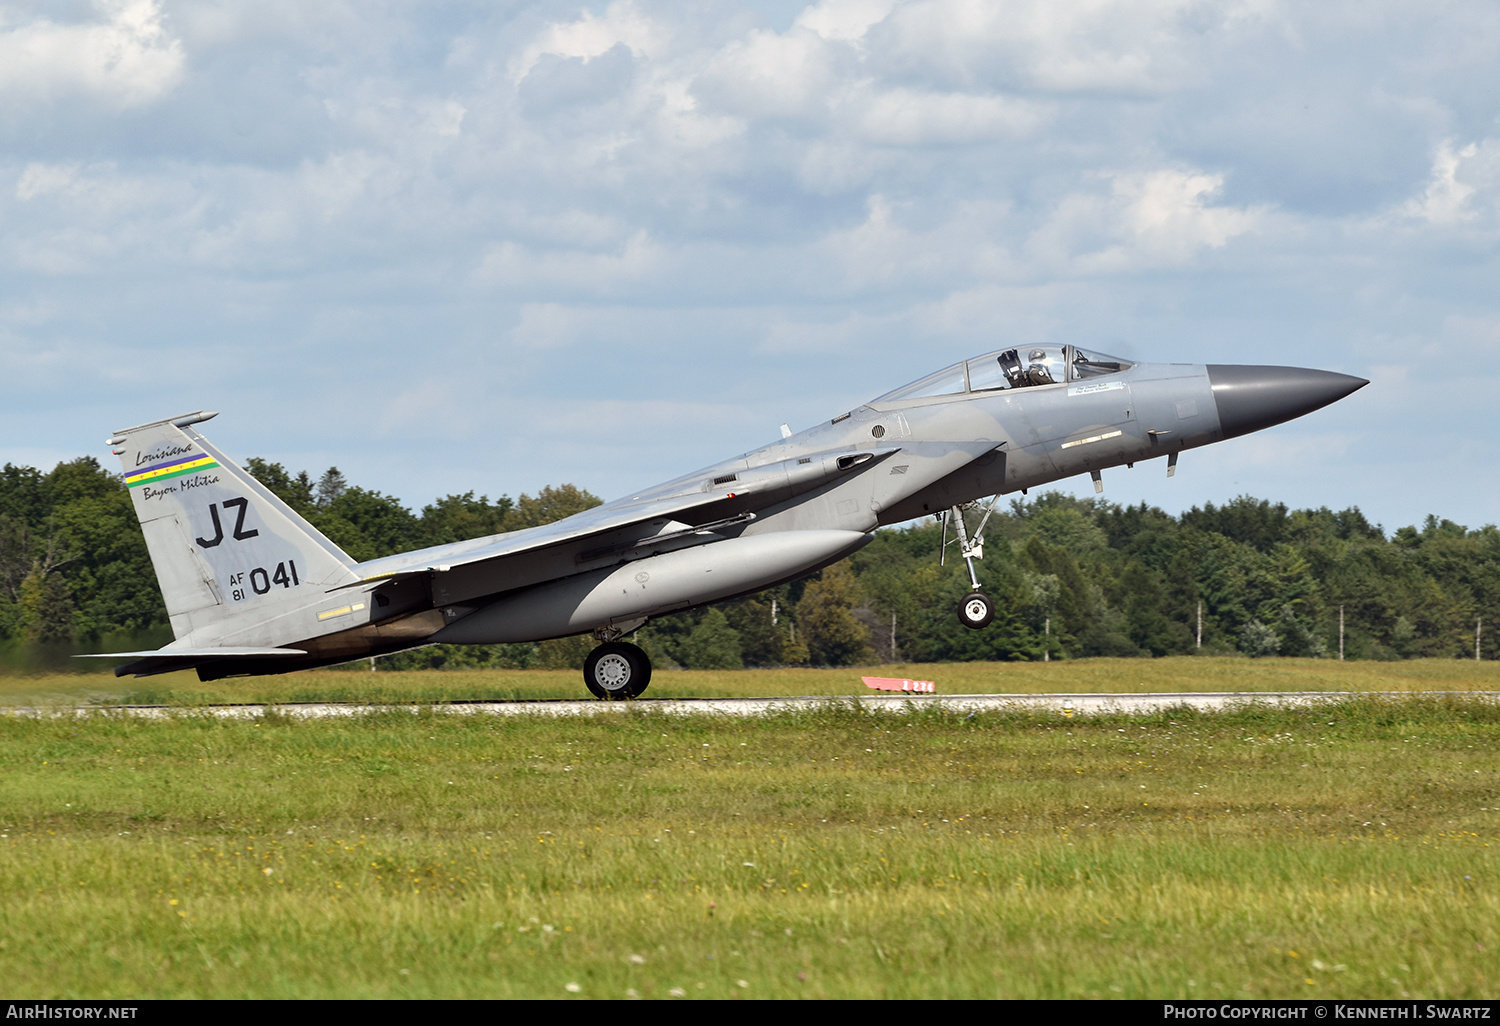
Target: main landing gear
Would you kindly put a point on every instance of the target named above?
(976, 610)
(617, 670)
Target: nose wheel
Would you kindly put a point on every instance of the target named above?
(617, 670)
(976, 610)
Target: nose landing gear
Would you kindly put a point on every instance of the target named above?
(976, 610)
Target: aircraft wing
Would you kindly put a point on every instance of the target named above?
(597, 521)
(514, 560)
(694, 504)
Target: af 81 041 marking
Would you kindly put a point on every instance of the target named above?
(261, 580)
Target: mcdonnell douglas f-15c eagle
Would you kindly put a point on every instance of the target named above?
(252, 588)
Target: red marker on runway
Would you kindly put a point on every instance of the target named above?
(898, 684)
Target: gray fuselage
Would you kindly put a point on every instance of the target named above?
(264, 592)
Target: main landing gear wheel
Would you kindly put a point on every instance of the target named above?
(617, 670)
(976, 610)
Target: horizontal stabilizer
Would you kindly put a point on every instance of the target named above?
(165, 660)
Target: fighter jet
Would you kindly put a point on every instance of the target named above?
(252, 588)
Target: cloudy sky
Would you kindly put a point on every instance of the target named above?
(492, 246)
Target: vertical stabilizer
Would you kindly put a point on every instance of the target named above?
(235, 563)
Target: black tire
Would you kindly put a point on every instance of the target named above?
(976, 610)
(617, 670)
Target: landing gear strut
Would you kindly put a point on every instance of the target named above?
(617, 670)
(976, 610)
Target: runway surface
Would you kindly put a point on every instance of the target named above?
(1060, 705)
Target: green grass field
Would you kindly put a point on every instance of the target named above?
(1348, 850)
(1173, 674)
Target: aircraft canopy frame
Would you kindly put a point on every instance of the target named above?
(1016, 367)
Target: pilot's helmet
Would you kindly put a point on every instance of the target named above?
(1038, 356)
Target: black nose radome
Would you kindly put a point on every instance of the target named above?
(1251, 398)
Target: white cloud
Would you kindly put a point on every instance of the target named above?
(1054, 45)
(1463, 186)
(99, 193)
(591, 36)
(1443, 200)
(214, 24)
(1168, 211)
(126, 59)
(33, 361)
(803, 336)
(905, 117)
(775, 75)
(45, 180)
(344, 183)
(1149, 219)
(886, 251)
(682, 124)
(71, 218)
(990, 311)
(511, 268)
(446, 118)
(833, 166)
(846, 20)
(548, 326)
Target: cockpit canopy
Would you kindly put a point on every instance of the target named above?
(1021, 367)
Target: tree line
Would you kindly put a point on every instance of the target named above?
(1070, 578)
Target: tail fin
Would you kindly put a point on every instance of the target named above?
(232, 559)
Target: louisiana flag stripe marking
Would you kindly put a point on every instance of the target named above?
(169, 469)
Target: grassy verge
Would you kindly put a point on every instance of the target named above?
(1348, 851)
(1173, 674)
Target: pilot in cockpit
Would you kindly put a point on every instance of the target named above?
(1038, 373)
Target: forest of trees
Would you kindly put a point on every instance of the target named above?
(1070, 578)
